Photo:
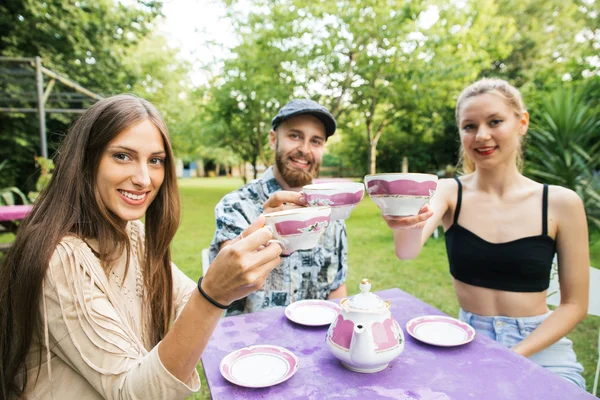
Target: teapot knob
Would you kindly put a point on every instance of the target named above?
(365, 286)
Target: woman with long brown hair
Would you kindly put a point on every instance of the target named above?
(89, 294)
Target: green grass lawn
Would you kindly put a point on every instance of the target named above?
(371, 255)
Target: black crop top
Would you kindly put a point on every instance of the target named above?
(521, 265)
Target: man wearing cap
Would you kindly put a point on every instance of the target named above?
(298, 135)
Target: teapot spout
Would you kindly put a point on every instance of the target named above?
(362, 347)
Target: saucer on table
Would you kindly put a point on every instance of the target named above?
(312, 312)
(440, 330)
(259, 366)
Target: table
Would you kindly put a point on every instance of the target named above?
(482, 369)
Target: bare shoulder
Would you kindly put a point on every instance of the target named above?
(563, 199)
(446, 191)
(565, 209)
(444, 200)
(447, 187)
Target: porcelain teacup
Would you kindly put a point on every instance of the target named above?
(342, 197)
(298, 228)
(401, 194)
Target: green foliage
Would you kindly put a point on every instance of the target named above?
(9, 196)
(164, 81)
(544, 48)
(380, 66)
(45, 166)
(564, 148)
(86, 41)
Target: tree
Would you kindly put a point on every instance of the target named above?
(549, 46)
(85, 41)
(375, 62)
(164, 80)
(241, 103)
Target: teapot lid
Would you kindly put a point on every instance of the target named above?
(367, 301)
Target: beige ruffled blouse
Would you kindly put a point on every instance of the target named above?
(93, 329)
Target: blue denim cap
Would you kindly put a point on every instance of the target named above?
(305, 106)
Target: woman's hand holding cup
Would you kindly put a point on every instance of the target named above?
(242, 266)
(410, 222)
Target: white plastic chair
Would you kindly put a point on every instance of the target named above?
(593, 308)
(205, 262)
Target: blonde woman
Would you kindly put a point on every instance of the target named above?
(502, 231)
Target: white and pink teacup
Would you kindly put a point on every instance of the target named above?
(298, 228)
(400, 194)
(342, 197)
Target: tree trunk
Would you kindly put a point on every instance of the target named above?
(254, 167)
(217, 169)
(373, 140)
(244, 172)
(200, 168)
(373, 157)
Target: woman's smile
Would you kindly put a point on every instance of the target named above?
(133, 198)
(486, 151)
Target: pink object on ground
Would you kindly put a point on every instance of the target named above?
(14, 213)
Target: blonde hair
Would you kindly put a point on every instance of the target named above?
(499, 87)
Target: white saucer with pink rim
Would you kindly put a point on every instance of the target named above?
(259, 366)
(312, 312)
(440, 330)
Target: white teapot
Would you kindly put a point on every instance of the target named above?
(365, 336)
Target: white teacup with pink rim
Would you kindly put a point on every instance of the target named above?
(298, 228)
(401, 194)
(342, 197)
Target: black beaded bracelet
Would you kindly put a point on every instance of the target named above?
(207, 297)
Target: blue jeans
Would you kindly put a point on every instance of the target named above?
(559, 358)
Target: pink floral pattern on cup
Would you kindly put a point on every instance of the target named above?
(339, 199)
(313, 225)
(400, 187)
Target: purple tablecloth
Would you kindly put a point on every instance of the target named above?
(482, 369)
(13, 213)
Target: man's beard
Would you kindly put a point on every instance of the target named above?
(295, 177)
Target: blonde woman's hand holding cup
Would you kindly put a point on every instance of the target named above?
(410, 222)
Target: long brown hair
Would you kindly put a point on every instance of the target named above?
(499, 87)
(71, 205)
